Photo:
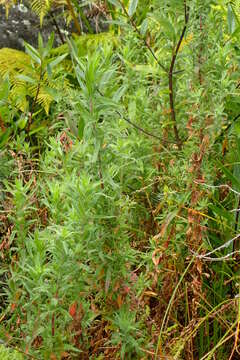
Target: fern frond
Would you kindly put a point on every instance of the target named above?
(44, 99)
(13, 61)
(88, 43)
(41, 8)
(18, 95)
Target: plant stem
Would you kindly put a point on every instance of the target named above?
(170, 79)
(75, 20)
(141, 37)
(137, 126)
(83, 17)
(35, 99)
(57, 27)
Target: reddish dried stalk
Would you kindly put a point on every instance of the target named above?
(170, 78)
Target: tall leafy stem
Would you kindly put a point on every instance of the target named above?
(170, 77)
(129, 14)
(35, 98)
(142, 37)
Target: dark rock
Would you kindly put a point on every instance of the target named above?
(23, 24)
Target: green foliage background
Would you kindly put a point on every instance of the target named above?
(119, 175)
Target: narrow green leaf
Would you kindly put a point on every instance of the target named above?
(132, 108)
(81, 125)
(132, 7)
(36, 130)
(56, 61)
(30, 50)
(26, 78)
(72, 126)
(114, 2)
(221, 212)
(49, 71)
(4, 137)
(49, 44)
(73, 49)
(4, 89)
(235, 182)
(40, 43)
(22, 122)
(144, 27)
(231, 20)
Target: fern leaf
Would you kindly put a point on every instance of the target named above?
(13, 61)
(41, 8)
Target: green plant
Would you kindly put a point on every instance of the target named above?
(29, 85)
(123, 241)
(8, 354)
(127, 334)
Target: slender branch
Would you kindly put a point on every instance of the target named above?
(35, 99)
(83, 17)
(138, 127)
(141, 37)
(227, 128)
(75, 20)
(57, 27)
(223, 246)
(229, 256)
(171, 69)
(170, 78)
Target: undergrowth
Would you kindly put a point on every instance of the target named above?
(119, 204)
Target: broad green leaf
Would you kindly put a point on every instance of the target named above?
(166, 25)
(8, 354)
(146, 69)
(49, 71)
(96, 150)
(119, 93)
(132, 7)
